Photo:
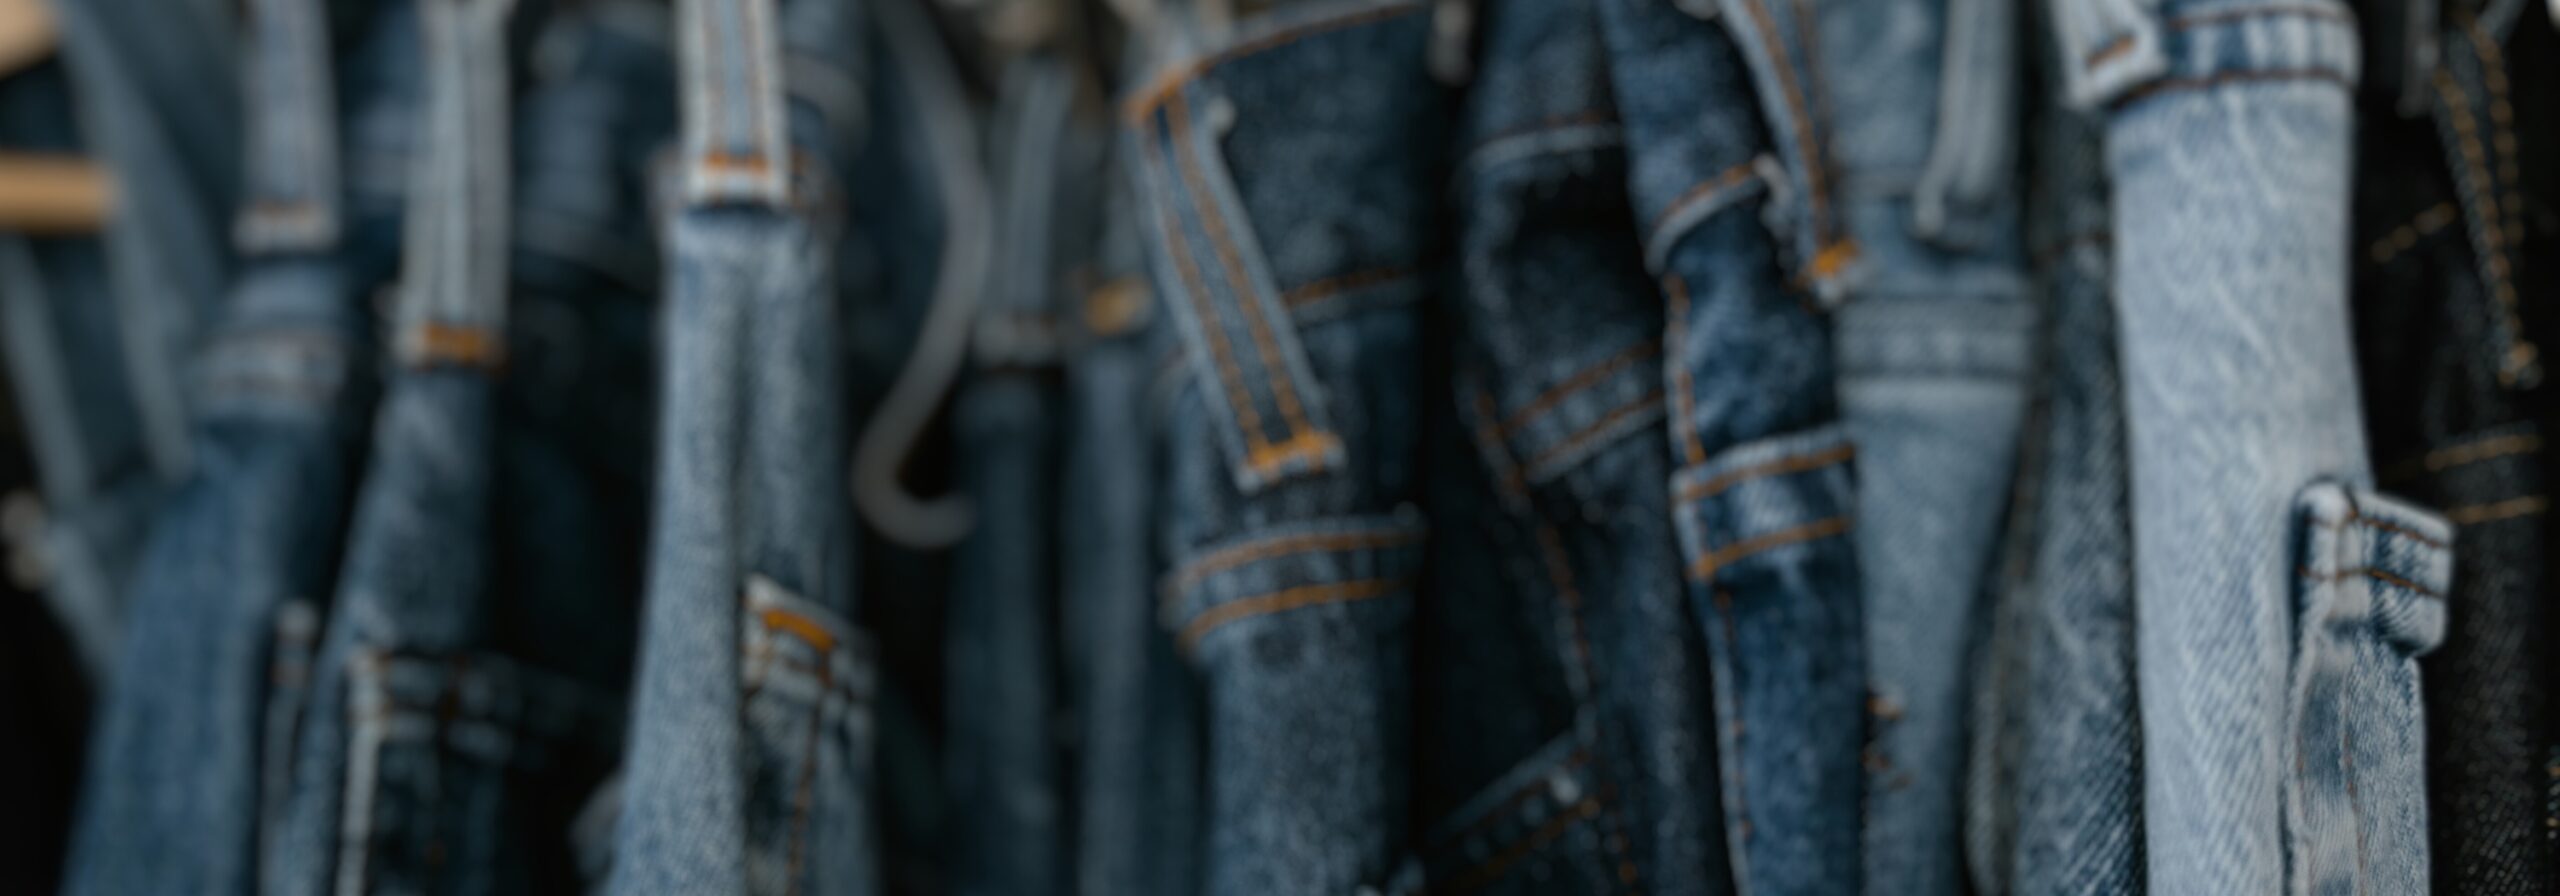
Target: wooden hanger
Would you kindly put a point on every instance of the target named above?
(52, 194)
(26, 33)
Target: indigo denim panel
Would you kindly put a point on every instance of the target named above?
(1760, 489)
(1562, 689)
(2449, 349)
(177, 773)
(2227, 144)
(159, 85)
(1933, 345)
(2055, 783)
(1294, 156)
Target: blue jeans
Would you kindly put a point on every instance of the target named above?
(2281, 742)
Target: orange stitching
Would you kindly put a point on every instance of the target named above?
(1518, 795)
(1156, 90)
(2109, 50)
(1581, 380)
(1283, 389)
(467, 346)
(1806, 152)
(1722, 179)
(1239, 555)
(721, 161)
(2502, 136)
(2492, 231)
(1576, 442)
(2471, 452)
(1731, 760)
(1687, 403)
(2498, 510)
(811, 631)
(2215, 17)
(1491, 869)
(1179, 246)
(1333, 286)
(1791, 464)
(1705, 569)
(2404, 237)
(2364, 572)
(2175, 85)
(2393, 528)
(802, 796)
(1285, 599)
(1514, 483)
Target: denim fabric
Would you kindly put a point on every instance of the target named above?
(63, 337)
(1289, 158)
(159, 85)
(1564, 719)
(2055, 784)
(2448, 345)
(2227, 143)
(750, 760)
(175, 785)
(1004, 637)
(1932, 339)
(1137, 783)
(1761, 488)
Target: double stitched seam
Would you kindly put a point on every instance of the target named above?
(1559, 569)
(1283, 546)
(1283, 389)
(2473, 514)
(2386, 526)
(2475, 169)
(2502, 136)
(1808, 153)
(1732, 762)
(2121, 45)
(1285, 599)
(1707, 189)
(1578, 382)
(1333, 286)
(1597, 430)
(1518, 796)
(1782, 466)
(786, 622)
(1491, 869)
(2124, 43)
(1170, 83)
(1705, 569)
(1220, 354)
(2365, 572)
(1683, 391)
(2247, 76)
(2405, 237)
(2471, 452)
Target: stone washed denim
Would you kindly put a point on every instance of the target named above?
(2282, 603)
(2449, 347)
(1932, 340)
(1761, 488)
(751, 751)
(1293, 157)
(175, 784)
(2054, 786)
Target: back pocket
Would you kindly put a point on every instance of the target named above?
(2369, 600)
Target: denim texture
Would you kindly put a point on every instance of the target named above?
(2447, 248)
(1761, 488)
(1933, 351)
(1296, 152)
(2228, 135)
(2054, 800)
(751, 753)
(176, 781)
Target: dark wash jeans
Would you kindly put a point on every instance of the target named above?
(2448, 249)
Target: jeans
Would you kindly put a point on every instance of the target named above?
(2227, 140)
(2055, 782)
(1294, 157)
(175, 786)
(751, 752)
(2449, 354)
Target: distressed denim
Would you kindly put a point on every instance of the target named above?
(175, 784)
(751, 753)
(1294, 157)
(2054, 787)
(2228, 134)
(2450, 350)
(1932, 340)
(1741, 227)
